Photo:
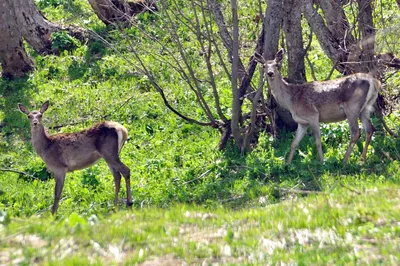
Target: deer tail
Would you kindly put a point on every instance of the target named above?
(122, 133)
(377, 85)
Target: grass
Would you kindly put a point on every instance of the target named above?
(193, 204)
(346, 226)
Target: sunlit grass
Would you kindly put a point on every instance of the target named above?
(338, 227)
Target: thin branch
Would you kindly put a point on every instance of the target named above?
(253, 117)
(197, 178)
(311, 67)
(314, 178)
(197, 90)
(161, 92)
(209, 65)
(236, 102)
(331, 72)
(18, 172)
(226, 37)
(146, 72)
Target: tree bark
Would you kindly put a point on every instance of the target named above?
(14, 60)
(279, 117)
(366, 27)
(294, 41)
(34, 27)
(120, 11)
(20, 19)
(236, 103)
(337, 22)
(329, 44)
(273, 23)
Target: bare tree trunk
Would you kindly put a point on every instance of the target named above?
(22, 20)
(117, 11)
(273, 23)
(366, 26)
(34, 27)
(278, 116)
(215, 8)
(294, 41)
(14, 60)
(329, 44)
(236, 103)
(337, 22)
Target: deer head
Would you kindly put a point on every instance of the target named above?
(271, 67)
(35, 117)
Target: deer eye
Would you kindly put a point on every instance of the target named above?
(40, 115)
(29, 116)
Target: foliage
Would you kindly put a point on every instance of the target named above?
(241, 207)
(61, 41)
(49, 3)
(345, 226)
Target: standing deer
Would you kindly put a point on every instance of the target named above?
(64, 153)
(350, 98)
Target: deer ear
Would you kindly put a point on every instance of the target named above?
(23, 109)
(279, 55)
(44, 107)
(259, 58)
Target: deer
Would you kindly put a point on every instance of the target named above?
(348, 98)
(67, 152)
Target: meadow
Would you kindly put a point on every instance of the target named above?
(193, 204)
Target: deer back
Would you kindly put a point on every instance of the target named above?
(328, 98)
(81, 149)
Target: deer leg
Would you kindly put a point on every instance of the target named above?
(116, 165)
(117, 182)
(109, 151)
(355, 135)
(126, 172)
(301, 131)
(317, 135)
(59, 178)
(369, 130)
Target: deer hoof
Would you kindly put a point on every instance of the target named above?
(129, 204)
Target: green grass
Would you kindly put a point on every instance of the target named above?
(346, 226)
(192, 203)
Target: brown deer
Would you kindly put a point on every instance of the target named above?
(350, 98)
(64, 153)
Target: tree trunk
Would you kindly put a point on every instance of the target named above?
(14, 60)
(34, 27)
(120, 11)
(337, 22)
(279, 117)
(236, 103)
(273, 23)
(20, 19)
(294, 41)
(366, 27)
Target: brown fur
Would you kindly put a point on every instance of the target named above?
(68, 152)
(350, 98)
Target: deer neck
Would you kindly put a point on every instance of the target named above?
(280, 90)
(40, 139)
